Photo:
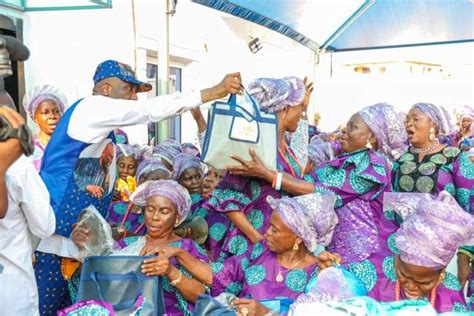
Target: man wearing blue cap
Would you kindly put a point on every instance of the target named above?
(76, 162)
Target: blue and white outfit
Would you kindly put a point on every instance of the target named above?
(87, 125)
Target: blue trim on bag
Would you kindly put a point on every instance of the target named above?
(95, 276)
(233, 110)
(157, 297)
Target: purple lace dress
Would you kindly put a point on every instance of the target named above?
(359, 180)
(257, 278)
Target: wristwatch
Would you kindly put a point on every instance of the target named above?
(22, 133)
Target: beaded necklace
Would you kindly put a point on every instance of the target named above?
(283, 156)
(432, 295)
(122, 225)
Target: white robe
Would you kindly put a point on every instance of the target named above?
(29, 212)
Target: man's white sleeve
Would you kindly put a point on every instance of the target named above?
(96, 116)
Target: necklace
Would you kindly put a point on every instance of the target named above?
(279, 277)
(423, 151)
(282, 154)
(432, 294)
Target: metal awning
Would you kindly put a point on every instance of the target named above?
(346, 25)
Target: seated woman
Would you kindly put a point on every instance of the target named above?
(166, 205)
(280, 267)
(128, 158)
(45, 105)
(432, 230)
(243, 199)
(126, 218)
(358, 177)
(187, 171)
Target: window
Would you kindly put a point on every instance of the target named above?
(171, 129)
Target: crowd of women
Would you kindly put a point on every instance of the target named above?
(388, 200)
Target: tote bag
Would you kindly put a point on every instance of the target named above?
(118, 281)
(233, 129)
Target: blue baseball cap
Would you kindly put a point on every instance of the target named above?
(113, 68)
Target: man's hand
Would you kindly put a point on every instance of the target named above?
(232, 83)
(80, 236)
(10, 150)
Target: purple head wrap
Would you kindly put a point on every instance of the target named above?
(167, 188)
(274, 95)
(466, 111)
(389, 128)
(311, 217)
(150, 165)
(433, 228)
(320, 151)
(168, 150)
(129, 150)
(438, 115)
(35, 96)
(190, 149)
(183, 162)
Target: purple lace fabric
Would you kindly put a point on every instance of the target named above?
(358, 180)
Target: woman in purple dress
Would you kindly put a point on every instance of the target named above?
(280, 267)
(244, 199)
(431, 232)
(187, 171)
(45, 105)
(166, 205)
(359, 177)
(126, 218)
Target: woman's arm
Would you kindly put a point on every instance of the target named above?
(200, 270)
(256, 168)
(188, 287)
(242, 223)
(161, 266)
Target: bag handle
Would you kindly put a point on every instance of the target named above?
(124, 305)
(233, 102)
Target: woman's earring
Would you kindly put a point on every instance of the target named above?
(432, 134)
(368, 145)
(296, 247)
(442, 276)
(177, 221)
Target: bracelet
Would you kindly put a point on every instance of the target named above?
(279, 180)
(177, 280)
(275, 176)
